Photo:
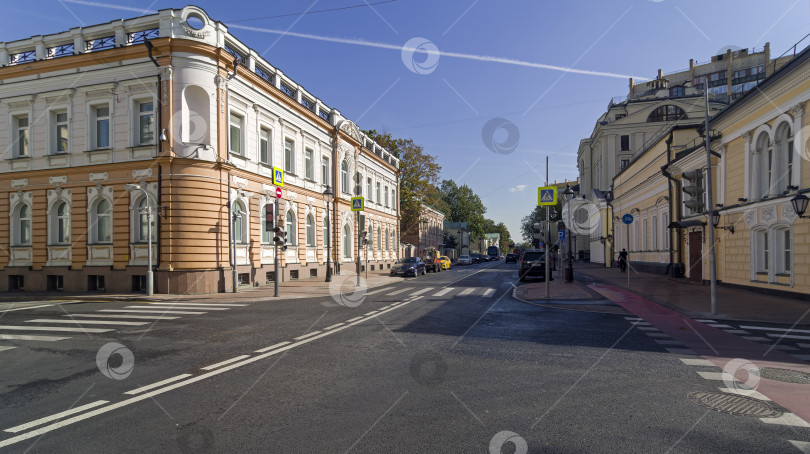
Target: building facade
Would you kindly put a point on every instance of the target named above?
(460, 231)
(201, 123)
(430, 232)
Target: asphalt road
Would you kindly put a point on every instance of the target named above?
(447, 362)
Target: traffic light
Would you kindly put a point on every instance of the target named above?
(364, 237)
(269, 217)
(281, 238)
(694, 190)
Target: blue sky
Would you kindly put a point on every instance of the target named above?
(496, 60)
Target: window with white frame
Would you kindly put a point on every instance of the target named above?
(289, 155)
(326, 230)
(146, 123)
(379, 238)
(21, 217)
(60, 223)
(783, 250)
(387, 239)
(359, 185)
(378, 197)
(60, 131)
(665, 225)
(21, 136)
(325, 170)
(101, 222)
(235, 134)
(386, 196)
(371, 237)
(368, 188)
(764, 166)
(264, 146)
(654, 233)
(344, 177)
(784, 158)
(142, 226)
(292, 232)
(347, 241)
(394, 199)
(310, 231)
(309, 166)
(761, 251)
(101, 126)
(239, 222)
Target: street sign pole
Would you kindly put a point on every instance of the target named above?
(548, 237)
(358, 249)
(627, 259)
(275, 257)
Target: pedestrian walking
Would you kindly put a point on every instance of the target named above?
(623, 260)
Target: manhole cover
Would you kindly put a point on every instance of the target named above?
(786, 375)
(738, 405)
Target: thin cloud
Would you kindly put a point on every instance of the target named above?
(109, 6)
(518, 188)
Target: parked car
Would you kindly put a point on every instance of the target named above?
(411, 266)
(476, 257)
(464, 260)
(445, 262)
(532, 264)
(511, 258)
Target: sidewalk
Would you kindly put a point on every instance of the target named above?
(694, 300)
(343, 284)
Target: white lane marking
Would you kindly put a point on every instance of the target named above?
(489, 292)
(444, 291)
(681, 351)
(802, 446)
(29, 307)
(745, 392)
(804, 345)
(227, 361)
(59, 415)
(158, 384)
(195, 308)
(467, 291)
(369, 313)
(696, 362)
(6, 347)
(198, 304)
(789, 336)
(141, 311)
(85, 322)
(736, 331)
(656, 334)
(788, 348)
(274, 346)
(333, 326)
(306, 335)
(719, 326)
(353, 319)
(171, 387)
(397, 292)
(376, 291)
(787, 419)
(641, 324)
(766, 328)
(54, 328)
(703, 320)
(27, 337)
(139, 317)
(632, 318)
(711, 375)
(803, 357)
(419, 292)
(668, 342)
(757, 338)
(648, 328)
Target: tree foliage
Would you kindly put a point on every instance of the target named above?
(537, 215)
(464, 205)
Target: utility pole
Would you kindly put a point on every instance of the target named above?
(546, 266)
(275, 255)
(710, 204)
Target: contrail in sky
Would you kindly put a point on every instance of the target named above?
(107, 5)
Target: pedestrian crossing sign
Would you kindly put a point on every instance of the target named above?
(357, 204)
(278, 176)
(547, 195)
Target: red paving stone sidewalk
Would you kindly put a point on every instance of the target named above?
(694, 300)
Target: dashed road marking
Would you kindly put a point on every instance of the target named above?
(756, 338)
(789, 336)
(804, 345)
(397, 292)
(27, 337)
(668, 342)
(199, 304)
(736, 331)
(55, 416)
(333, 326)
(489, 293)
(719, 325)
(703, 320)
(307, 335)
(142, 311)
(6, 347)
(803, 357)
(467, 291)
(802, 446)
(227, 361)
(54, 328)
(787, 348)
(158, 384)
(370, 313)
(137, 317)
(197, 308)
(444, 291)
(353, 319)
(769, 328)
(632, 318)
(696, 362)
(273, 347)
(711, 375)
(648, 328)
(86, 322)
(656, 334)
(419, 292)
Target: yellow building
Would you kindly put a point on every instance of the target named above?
(174, 103)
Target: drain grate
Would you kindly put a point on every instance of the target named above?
(785, 375)
(735, 404)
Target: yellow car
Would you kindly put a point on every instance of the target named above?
(445, 262)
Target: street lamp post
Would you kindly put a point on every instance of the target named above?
(150, 289)
(569, 271)
(327, 194)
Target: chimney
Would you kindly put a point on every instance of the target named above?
(660, 73)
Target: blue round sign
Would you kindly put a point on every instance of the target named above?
(627, 218)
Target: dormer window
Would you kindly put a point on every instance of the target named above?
(667, 113)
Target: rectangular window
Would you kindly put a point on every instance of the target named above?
(146, 123)
(665, 225)
(386, 196)
(310, 172)
(235, 143)
(22, 147)
(394, 199)
(378, 198)
(654, 233)
(61, 131)
(785, 268)
(644, 245)
(264, 146)
(625, 143)
(102, 125)
(325, 170)
(625, 163)
(368, 189)
(289, 155)
(763, 251)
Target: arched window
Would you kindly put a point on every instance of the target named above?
(326, 230)
(371, 237)
(347, 241)
(292, 233)
(310, 231)
(379, 238)
(141, 232)
(667, 113)
(344, 176)
(60, 223)
(387, 240)
(102, 222)
(239, 223)
(784, 161)
(763, 165)
(22, 222)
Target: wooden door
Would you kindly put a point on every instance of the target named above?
(696, 257)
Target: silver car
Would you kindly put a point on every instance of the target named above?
(464, 260)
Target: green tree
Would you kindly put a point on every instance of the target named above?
(450, 241)
(464, 205)
(537, 215)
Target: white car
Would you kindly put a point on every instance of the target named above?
(464, 260)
